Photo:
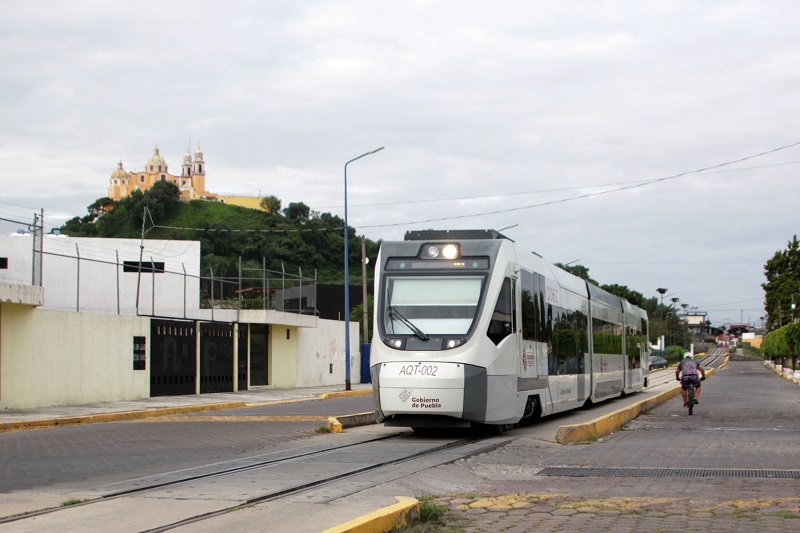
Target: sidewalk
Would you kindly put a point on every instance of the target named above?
(17, 419)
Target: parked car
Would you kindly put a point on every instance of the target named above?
(657, 362)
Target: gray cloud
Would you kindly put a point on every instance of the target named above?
(470, 99)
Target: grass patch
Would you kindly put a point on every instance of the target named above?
(435, 518)
(430, 511)
(72, 501)
(323, 429)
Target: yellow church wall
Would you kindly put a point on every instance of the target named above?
(251, 202)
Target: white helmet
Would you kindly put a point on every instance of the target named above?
(688, 355)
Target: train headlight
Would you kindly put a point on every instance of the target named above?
(435, 251)
(450, 251)
(397, 344)
(448, 344)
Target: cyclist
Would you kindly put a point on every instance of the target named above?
(687, 373)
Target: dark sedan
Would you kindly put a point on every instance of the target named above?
(657, 362)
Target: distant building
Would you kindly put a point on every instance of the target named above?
(250, 202)
(191, 182)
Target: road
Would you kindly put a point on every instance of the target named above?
(747, 421)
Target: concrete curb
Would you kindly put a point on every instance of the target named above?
(391, 518)
(784, 376)
(180, 410)
(607, 424)
(121, 416)
(337, 423)
(346, 393)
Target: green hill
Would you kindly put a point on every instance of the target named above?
(295, 238)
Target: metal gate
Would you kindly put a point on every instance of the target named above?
(173, 361)
(216, 357)
(242, 354)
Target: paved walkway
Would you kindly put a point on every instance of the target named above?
(748, 420)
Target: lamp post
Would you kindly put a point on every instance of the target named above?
(662, 292)
(673, 327)
(347, 275)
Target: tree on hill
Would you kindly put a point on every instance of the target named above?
(297, 211)
(271, 204)
(100, 207)
(123, 219)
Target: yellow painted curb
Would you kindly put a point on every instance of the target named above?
(606, 424)
(391, 518)
(122, 416)
(346, 394)
(334, 426)
(326, 396)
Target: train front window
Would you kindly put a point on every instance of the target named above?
(425, 306)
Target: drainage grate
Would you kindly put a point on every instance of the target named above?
(668, 472)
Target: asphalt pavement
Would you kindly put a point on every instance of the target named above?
(748, 421)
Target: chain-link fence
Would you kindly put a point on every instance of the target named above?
(150, 277)
(20, 252)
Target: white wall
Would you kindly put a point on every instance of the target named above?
(52, 358)
(59, 358)
(94, 287)
(319, 348)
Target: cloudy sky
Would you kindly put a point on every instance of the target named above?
(599, 130)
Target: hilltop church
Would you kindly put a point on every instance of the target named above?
(191, 182)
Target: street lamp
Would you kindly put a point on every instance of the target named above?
(347, 275)
(662, 292)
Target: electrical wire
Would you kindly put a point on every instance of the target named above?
(589, 195)
(542, 191)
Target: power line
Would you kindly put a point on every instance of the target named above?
(592, 194)
(541, 191)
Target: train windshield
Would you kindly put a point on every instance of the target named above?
(423, 306)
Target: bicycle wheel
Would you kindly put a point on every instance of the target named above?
(690, 396)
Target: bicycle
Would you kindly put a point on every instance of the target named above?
(690, 392)
(690, 397)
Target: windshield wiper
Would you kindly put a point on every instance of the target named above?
(394, 313)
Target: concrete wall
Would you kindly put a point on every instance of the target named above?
(318, 349)
(52, 358)
(59, 358)
(94, 284)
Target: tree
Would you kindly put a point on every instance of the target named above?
(100, 207)
(154, 199)
(297, 211)
(578, 270)
(271, 204)
(634, 297)
(783, 285)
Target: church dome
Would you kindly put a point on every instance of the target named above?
(119, 173)
(198, 155)
(156, 163)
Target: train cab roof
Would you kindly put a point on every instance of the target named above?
(454, 234)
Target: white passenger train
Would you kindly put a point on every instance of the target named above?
(467, 333)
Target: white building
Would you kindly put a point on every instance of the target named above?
(78, 337)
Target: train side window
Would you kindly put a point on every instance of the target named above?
(501, 324)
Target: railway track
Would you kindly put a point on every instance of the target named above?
(667, 375)
(319, 474)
